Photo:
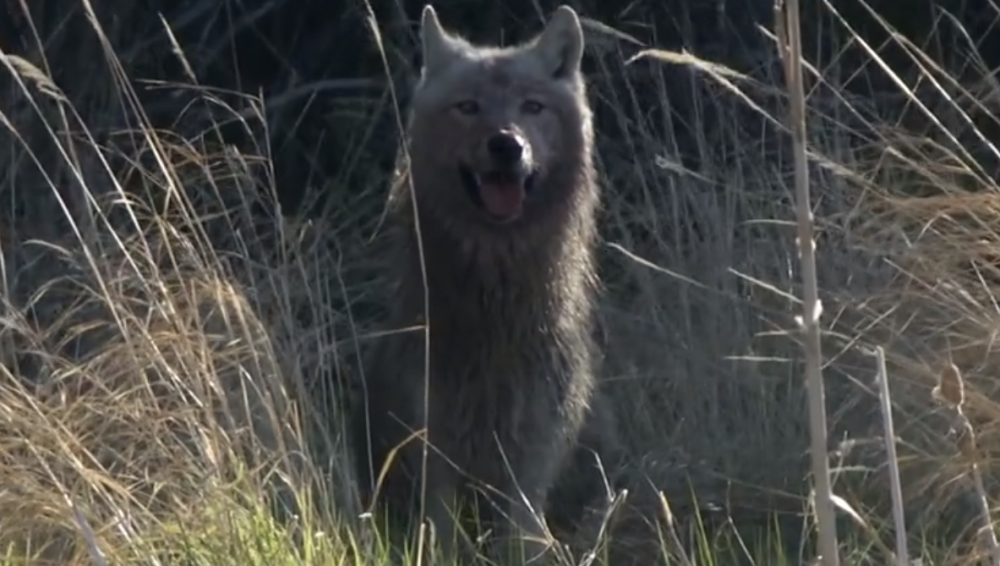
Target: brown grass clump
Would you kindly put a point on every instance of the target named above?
(146, 399)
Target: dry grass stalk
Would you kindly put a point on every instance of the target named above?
(899, 519)
(950, 391)
(675, 539)
(790, 50)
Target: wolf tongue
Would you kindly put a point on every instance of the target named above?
(502, 199)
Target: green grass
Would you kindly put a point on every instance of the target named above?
(157, 356)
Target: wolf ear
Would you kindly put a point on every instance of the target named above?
(438, 46)
(560, 44)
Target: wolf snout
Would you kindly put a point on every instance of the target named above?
(501, 175)
(506, 148)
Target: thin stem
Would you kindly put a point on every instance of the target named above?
(790, 46)
(902, 552)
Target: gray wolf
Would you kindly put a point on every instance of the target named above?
(493, 206)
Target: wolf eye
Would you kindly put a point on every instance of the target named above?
(532, 107)
(468, 107)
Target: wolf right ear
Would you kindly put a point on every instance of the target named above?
(438, 45)
(560, 44)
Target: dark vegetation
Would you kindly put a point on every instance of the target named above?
(329, 114)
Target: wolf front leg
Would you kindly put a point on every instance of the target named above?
(443, 507)
(525, 537)
(523, 534)
(593, 466)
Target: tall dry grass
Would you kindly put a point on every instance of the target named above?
(158, 375)
(173, 361)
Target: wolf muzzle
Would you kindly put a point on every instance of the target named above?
(500, 185)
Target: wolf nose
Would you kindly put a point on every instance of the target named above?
(505, 148)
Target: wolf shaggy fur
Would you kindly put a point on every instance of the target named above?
(499, 142)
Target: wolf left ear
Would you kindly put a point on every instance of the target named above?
(438, 46)
(560, 44)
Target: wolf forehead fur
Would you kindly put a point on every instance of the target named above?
(509, 303)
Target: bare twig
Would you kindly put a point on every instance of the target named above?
(675, 539)
(790, 49)
(950, 390)
(902, 552)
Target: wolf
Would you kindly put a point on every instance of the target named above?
(493, 215)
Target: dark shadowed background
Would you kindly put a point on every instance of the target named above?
(316, 63)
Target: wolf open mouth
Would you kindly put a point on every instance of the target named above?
(500, 193)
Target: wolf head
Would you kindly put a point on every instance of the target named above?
(500, 138)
